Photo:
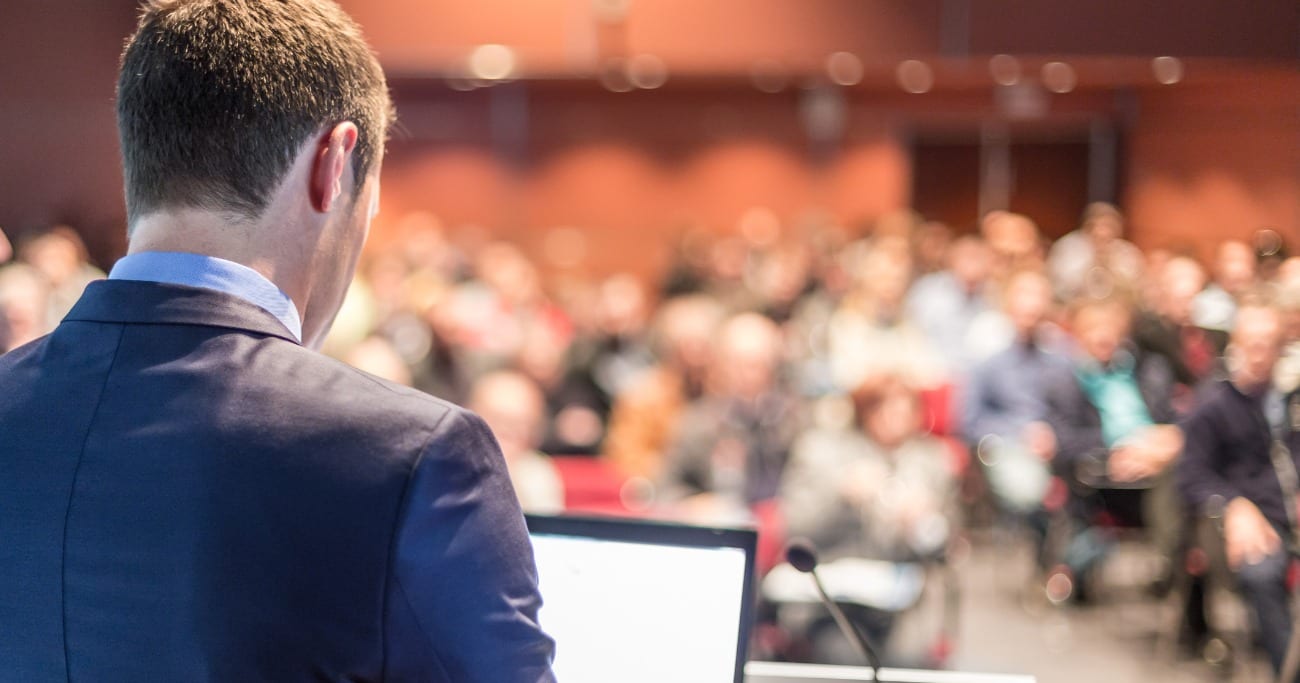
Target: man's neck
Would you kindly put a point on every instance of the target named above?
(1250, 388)
(227, 237)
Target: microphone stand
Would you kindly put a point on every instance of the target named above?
(801, 555)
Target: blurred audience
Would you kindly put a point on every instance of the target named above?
(24, 305)
(1015, 242)
(643, 420)
(513, 406)
(1288, 273)
(616, 352)
(1167, 330)
(870, 332)
(879, 488)
(732, 443)
(1095, 260)
(947, 304)
(577, 410)
(1005, 411)
(825, 347)
(60, 255)
(1240, 464)
(1286, 377)
(931, 242)
(1112, 419)
(1234, 274)
(376, 355)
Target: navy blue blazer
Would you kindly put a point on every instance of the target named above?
(186, 494)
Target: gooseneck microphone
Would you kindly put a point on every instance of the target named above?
(801, 555)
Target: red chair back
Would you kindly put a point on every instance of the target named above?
(591, 485)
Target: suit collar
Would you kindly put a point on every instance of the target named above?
(134, 301)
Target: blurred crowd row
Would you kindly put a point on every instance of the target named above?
(843, 388)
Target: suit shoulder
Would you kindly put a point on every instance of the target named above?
(398, 392)
(332, 389)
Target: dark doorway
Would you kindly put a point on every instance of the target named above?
(946, 182)
(1049, 177)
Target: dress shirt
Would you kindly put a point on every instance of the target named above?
(946, 312)
(210, 272)
(1009, 390)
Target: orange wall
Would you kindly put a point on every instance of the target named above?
(1216, 161)
(58, 155)
(728, 36)
(1204, 160)
(636, 169)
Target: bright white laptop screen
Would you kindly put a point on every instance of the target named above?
(638, 602)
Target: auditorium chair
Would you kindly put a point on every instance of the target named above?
(1229, 644)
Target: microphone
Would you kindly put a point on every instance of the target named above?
(801, 555)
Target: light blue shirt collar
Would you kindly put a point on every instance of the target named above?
(210, 272)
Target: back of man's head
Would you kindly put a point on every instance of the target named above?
(216, 98)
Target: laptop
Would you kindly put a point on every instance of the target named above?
(639, 601)
(779, 672)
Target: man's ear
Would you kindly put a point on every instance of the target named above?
(330, 161)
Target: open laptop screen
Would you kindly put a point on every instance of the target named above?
(636, 601)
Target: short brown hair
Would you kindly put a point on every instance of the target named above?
(872, 392)
(216, 97)
(1113, 304)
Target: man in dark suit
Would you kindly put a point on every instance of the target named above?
(189, 494)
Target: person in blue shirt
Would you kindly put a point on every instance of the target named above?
(1006, 406)
(947, 304)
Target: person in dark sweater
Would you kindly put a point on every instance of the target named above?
(1191, 352)
(1240, 462)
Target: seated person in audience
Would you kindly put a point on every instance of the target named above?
(782, 280)
(644, 417)
(1168, 331)
(576, 409)
(1015, 242)
(1097, 247)
(1006, 405)
(732, 444)
(1150, 295)
(1286, 376)
(879, 488)
(730, 258)
(1234, 275)
(1110, 412)
(376, 355)
(513, 407)
(499, 309)
(870, 332)
(24, 305)
(61, 257)
(946, 304)
(1243, 448)
(1288, 273)
(613, 350)
(931, 241)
